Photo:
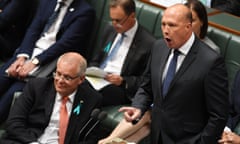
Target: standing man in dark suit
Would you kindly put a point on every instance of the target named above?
(46, 39)
(126, 67)
(192, 108)
(15, 17)
(35, 116)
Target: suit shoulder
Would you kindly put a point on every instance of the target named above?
(206, 50)
(145, 33)
(40, 82)
(85, 6)
(89, 91)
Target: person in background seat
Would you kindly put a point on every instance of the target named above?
(124, 62)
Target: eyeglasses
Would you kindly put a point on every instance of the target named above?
(120, 22)
(66, 78)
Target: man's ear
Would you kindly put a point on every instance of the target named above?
(82, 78)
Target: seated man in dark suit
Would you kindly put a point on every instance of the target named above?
(126, 65)
(36, 116)
(58, 27)
(15, 17)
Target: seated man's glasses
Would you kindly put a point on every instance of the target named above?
(66, 78)
(120, 22)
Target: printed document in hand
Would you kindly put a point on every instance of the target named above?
(96, 76)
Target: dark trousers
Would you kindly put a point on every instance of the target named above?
(8, 86)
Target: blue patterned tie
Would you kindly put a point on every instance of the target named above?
(170, 72)
(54, 16)
(114, 51)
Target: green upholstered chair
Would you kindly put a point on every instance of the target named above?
(16, 95)
(232, 58)
(99, 6)
(148, 17)
(237, 129)
(220, 38)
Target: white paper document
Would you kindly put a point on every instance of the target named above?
(96, 76)
(96, 72)
(97, 83)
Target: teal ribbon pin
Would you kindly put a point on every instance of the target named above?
(77, 109)
(107, 48)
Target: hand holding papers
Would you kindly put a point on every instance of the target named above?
(96, 77)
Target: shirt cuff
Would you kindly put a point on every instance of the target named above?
(34, 143)
(227, 129)
(23, 55)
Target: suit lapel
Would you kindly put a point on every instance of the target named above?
(162, 62)
(130, 54)
(73, 118)
(77, 118)
(51, 94)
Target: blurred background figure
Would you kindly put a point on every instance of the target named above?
(229, 6)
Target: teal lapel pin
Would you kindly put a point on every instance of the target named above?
(107, 48)
(77, 109)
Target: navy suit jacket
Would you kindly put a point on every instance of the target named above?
(72, 35)
(195, 108)
(31, 112)
(15, 17)
(136, 60)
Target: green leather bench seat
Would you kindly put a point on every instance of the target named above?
(226, 21)
(232, 57)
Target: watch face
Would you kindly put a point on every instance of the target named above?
(35, 61)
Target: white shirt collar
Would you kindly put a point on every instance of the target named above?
(71, 96)
(184, 49)
(131, 32)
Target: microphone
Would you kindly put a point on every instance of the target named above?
(101, 117)
(94, 115)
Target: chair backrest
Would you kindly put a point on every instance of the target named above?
(220, 38)
(99, 6)
(232, 58)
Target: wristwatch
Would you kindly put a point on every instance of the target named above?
(35, 61)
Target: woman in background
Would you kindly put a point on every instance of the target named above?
(200, 22)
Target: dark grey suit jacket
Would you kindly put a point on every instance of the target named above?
(136, 59)
(32, 111)
(195, 108)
